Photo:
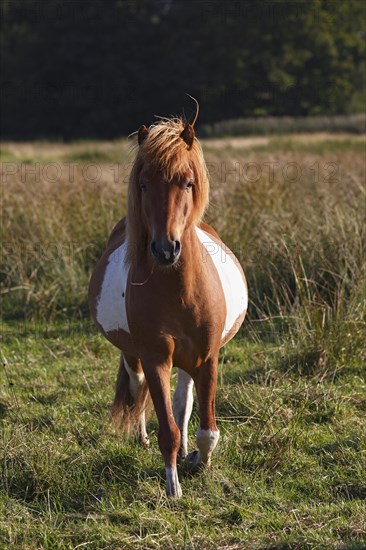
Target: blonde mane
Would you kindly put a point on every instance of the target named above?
(164, 150)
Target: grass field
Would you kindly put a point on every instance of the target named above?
(290, 468)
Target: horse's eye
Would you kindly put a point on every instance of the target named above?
(189, 185)
(142, 186)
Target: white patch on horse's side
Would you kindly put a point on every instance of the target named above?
(111, 306)
(233, 285)
(206, 442)
(182, 406)
(173, 488)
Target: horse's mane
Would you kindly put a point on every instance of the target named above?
(165, 150)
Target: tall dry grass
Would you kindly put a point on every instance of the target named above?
(294, 218)
(56, 222)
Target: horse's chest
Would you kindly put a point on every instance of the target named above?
(111, 311)
(111, 308)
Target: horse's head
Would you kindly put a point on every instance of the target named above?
(168, 188)
(167, 208)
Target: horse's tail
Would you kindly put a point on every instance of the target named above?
(127, 409)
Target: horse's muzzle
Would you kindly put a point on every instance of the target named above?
(166, 253)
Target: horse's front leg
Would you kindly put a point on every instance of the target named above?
(157, 371)
(207, 434)
(182, 406)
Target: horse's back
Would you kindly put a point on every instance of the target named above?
(118, 235)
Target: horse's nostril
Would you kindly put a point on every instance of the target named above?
(153, 248)
(176, 248)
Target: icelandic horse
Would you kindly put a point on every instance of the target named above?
(167, 291)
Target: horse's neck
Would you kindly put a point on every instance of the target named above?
(191, 267)
(191, 255)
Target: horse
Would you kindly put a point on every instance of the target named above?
(167, 291)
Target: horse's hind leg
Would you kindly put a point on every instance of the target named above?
(182, 407)
(131, 398)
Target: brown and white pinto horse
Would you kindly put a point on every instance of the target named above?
(167, 291)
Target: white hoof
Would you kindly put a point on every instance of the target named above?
(144, 442)
(173, 488)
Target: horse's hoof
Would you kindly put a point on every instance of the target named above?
(173, 488)
(145, 442)
(193, 461)
(181, 457)
(175, 494)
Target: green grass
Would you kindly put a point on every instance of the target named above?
(289, 471)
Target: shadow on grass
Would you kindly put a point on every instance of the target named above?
(336, 446)
(350, 491)
(4, 407)
(305, 362)
(251, 376)
(308, 546)
(80, 485)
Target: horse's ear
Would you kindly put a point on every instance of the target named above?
(142, 134)
(187, 135)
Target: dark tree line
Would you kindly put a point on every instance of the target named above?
(100, 68)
